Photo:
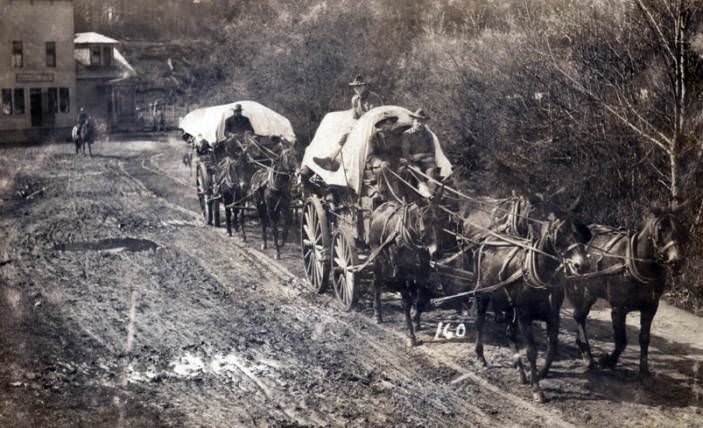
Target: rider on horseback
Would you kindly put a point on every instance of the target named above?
(83, 132)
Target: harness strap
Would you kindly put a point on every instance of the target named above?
(399, 231)
(374, 253)
(502, 237)
(507, 261)
(484, 290)
(530, 267)
(611, 270)
(631, 264)
(469, 198)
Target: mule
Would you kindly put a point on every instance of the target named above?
(404, 236)
(628, 270)
(520, 278)
(481, 217)
(233, 182)
(271, 189)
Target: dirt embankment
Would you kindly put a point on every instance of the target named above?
(119, 308)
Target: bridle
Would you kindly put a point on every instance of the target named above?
(654, 238)
(277, 170)
(552, 238)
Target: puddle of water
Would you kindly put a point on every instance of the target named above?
(111, 245)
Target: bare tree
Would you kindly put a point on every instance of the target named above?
(644, 80)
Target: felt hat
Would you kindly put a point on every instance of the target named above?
(420, 114)
(358, 81)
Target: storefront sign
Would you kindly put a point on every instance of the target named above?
(34, 77)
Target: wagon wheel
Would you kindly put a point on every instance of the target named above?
(200, 186)
(315, 242)
(345, 280)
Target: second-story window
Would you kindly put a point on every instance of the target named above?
(51, 54)
(107, 55)
(17, 54)
(95, 55)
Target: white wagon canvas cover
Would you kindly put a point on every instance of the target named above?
(356, 149)
(210, 121)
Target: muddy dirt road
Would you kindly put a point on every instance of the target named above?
(119, 308)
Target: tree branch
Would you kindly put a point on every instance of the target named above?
(655, 26)
(579, 87)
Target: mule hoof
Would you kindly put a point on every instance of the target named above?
(263, 246)
(379, 320)
(278, 257)
(645, 374)
(538, 397)
(606, 362)
(412, 342)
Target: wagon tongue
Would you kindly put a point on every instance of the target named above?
(327, 163)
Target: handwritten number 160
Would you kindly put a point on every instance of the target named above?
(446, 331)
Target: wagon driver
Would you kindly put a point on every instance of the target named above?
(236, 126)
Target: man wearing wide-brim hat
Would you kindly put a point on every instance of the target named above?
(237, 123)
(363, 99)
(236, 127)
(417, 144)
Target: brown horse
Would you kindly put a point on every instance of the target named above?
(403, 236)
(519, 278)
(271, 188)
(628, 270)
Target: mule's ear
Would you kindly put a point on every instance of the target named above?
(677, 207)
(658, 208)
(437, 195)
(583, 232)
(574, 205)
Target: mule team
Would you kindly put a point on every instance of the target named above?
(522, 257)
(523, 260)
